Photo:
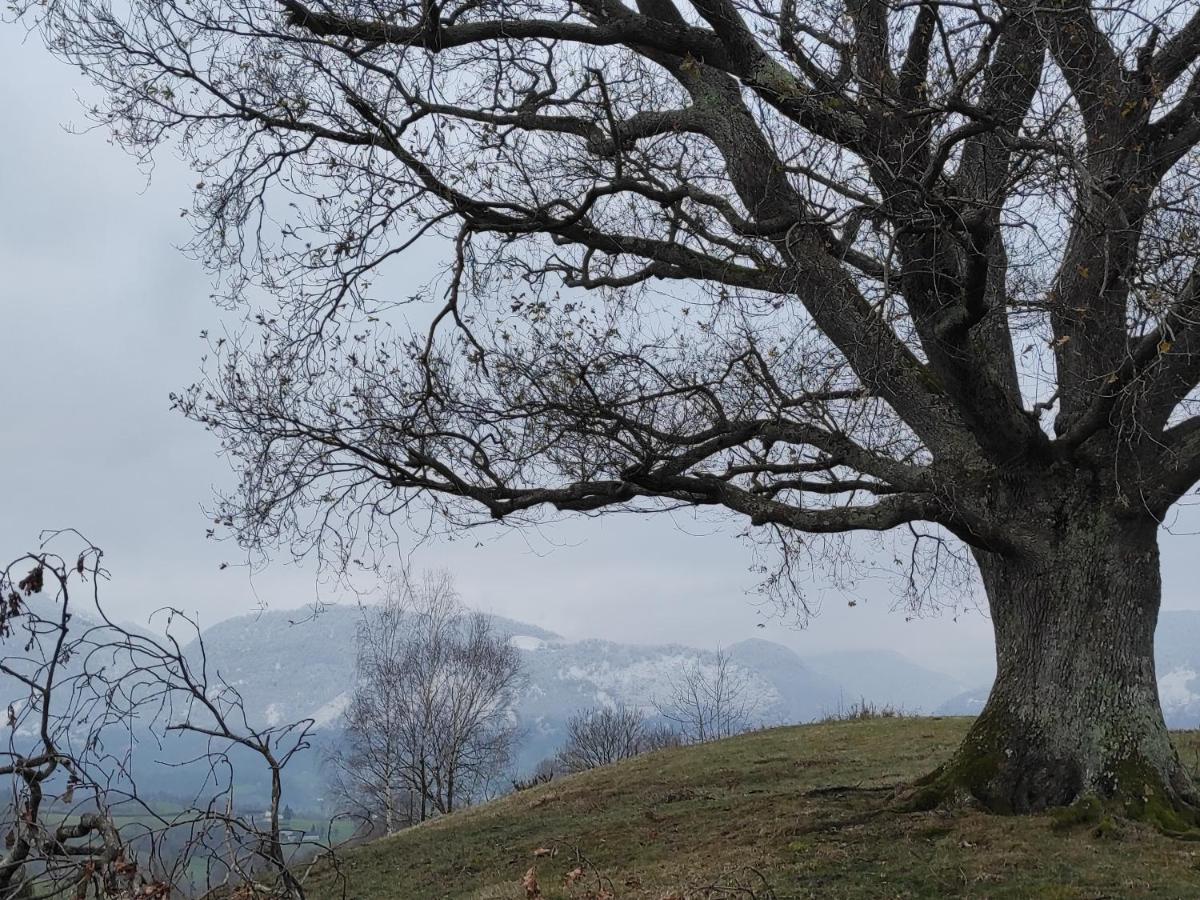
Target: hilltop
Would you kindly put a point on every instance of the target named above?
(803, 807)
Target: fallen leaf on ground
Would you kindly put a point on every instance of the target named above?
(530, 883)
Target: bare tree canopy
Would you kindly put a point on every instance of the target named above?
(829, 266)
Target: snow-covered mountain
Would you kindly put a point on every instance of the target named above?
(289, 671)
(1177, 662)
(289, 666)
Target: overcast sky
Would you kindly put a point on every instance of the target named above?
(100, 317)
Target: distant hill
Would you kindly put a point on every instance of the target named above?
(291, 671)
(1177, 663)
(791, 812)
(886, 677)
(289, 666)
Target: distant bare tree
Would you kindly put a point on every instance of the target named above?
(600, 736)
(378, 772)
(429, 726)
(708, 701)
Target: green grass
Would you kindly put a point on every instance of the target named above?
(802, 806)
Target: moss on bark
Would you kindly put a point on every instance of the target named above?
(1126, 788)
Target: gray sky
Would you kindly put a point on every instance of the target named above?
(101, 317)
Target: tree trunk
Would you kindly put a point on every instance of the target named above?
(1074, 711)
(389, 807)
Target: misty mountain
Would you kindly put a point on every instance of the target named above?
(885, 677)
(288, 667)
(289, 671)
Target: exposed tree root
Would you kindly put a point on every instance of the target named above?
(1131, 792)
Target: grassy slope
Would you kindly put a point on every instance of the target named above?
(670, 823)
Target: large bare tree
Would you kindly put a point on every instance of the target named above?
(828, 266)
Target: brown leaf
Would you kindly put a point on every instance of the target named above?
(543, 851)
(530, 883)
(574, 875)
(33, 582)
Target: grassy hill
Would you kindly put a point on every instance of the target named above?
(801, 807)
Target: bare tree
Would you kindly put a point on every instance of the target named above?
(710, 701)
(598, 737)
(76, 823)
(377, 768)
(661, 736)
(826, 266)
(430, 726)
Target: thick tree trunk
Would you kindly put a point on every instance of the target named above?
(1074, 712)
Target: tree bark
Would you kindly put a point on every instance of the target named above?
(1074, 711)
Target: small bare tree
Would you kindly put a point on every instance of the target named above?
(708, 701)
(429, 727)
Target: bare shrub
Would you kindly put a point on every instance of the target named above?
(598, 737)
(660, 737)
(862, 710)
(604, 735)
(543, 773)
(89, 693)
